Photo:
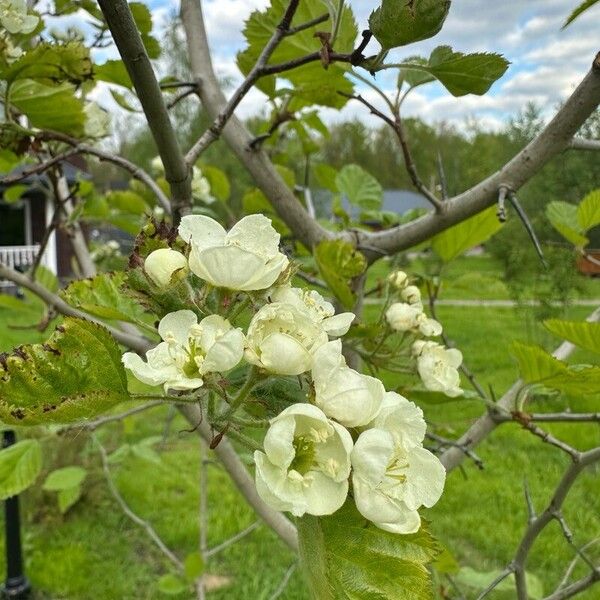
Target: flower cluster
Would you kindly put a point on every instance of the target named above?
(350, 434)
(14, 17)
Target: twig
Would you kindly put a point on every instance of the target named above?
(563, 417)
(584, 144)
(203, 515)
(307, 25)
(131, 48)
(39, 168)
(501, 212)
(531, 516)
(284, 582)
(573, 563)
(442, 176)
(454, 444)
(575, 588)
(133, 516)
(214, 131)
(547, 437)
(497, 581)
(528, 226)
(93, 425)
(232, 540)
(181, 96)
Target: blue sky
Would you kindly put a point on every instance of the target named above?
(546, 62)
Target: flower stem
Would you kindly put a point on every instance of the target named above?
(242, 395)
(167, 399)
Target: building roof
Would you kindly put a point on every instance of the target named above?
(71, 172)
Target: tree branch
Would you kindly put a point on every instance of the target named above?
(584, 144)
(307, 230)
(555, 137)
(483, 426)
(131, 48)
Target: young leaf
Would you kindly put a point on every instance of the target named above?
(193, 565)
(348, 558)
(113, 71)
(339, 262)
(220, 187)
(360, 187)
(68, 498)
(588, 212)
(565, 219)
(458, 239)
(581, 333)
(459, 73)
(20, 466)
(400, 22)
(75, 375)
(64, 479)
(579, 10)
(171, 584)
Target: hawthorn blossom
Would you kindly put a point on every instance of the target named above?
(438, 367)
(306, 462)
(342, 393)
(162, 264)
(314, 305)
(392, 481)
(283, 339)
(398, 279)
(402, 316)
(189, 351)
(246, 258)
(14, 17)
(412, 295)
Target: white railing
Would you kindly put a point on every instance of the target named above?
(19, 257)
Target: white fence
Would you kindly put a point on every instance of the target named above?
(20, 257)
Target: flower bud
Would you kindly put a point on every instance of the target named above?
(398, 279)
(411, 294)
(162, 264)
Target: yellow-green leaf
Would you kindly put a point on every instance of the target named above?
(20, 465)
(581, 333)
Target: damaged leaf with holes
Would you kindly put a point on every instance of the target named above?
(75, 375)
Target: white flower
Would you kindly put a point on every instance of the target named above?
(403, 317)
(391, 482)
(317, 308)
(283, 339)
(438, 367)
(189, 351)
(201, 186)
(429, 327)
(247, 258)
(342, 393)
(157, 166)
(402, 418)
(306, 462)
(398, 279)
(162, 264)
(412, 295)
(14, 17)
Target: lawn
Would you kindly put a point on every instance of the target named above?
(96, 552)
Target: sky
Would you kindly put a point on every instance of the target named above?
(546, 62)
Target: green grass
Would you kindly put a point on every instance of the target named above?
(96, 552)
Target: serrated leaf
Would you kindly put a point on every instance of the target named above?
(49, 107)
(399, 22)
(171, 584)
(414, 77)
(564, 218)
(584, 334)
(588, 211)
(51, 63)
(113, 71)
(193, 565)
(326, 176)
(579, 10)
(474, 231)
(360, 187)
(338, 263)
(460, 73)
(64, 479)
(76, 375)
(68, 497)
(20, 465)
(348, 558)
(312, 83)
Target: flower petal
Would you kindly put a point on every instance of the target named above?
(201, 231)
(255, 233)
(338, 325)
(284, 355)
(324, 495)
(425, 479)
(178, 325)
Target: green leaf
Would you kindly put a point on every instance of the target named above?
(68, 498)
(171, 584)
(479, 580)
(348, 558)
(113, 71)
(64, 479)
(400, 22)
(579, 10)
(360, 187)
(220, 187)
(312, 83)
(564, 218)
(193, 565)
(413, 77)
(474, 231)
(122, 101)
(13, 194)
(339, 262)
(581, 333)
(459, 73)
(20, 466)
(107, 296)
(326, 177)
(143, 19)
(420, 394)
(588, 212)
(76, 375)
(51, 64)
(49, 107)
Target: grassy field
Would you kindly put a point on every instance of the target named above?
(96, 552)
